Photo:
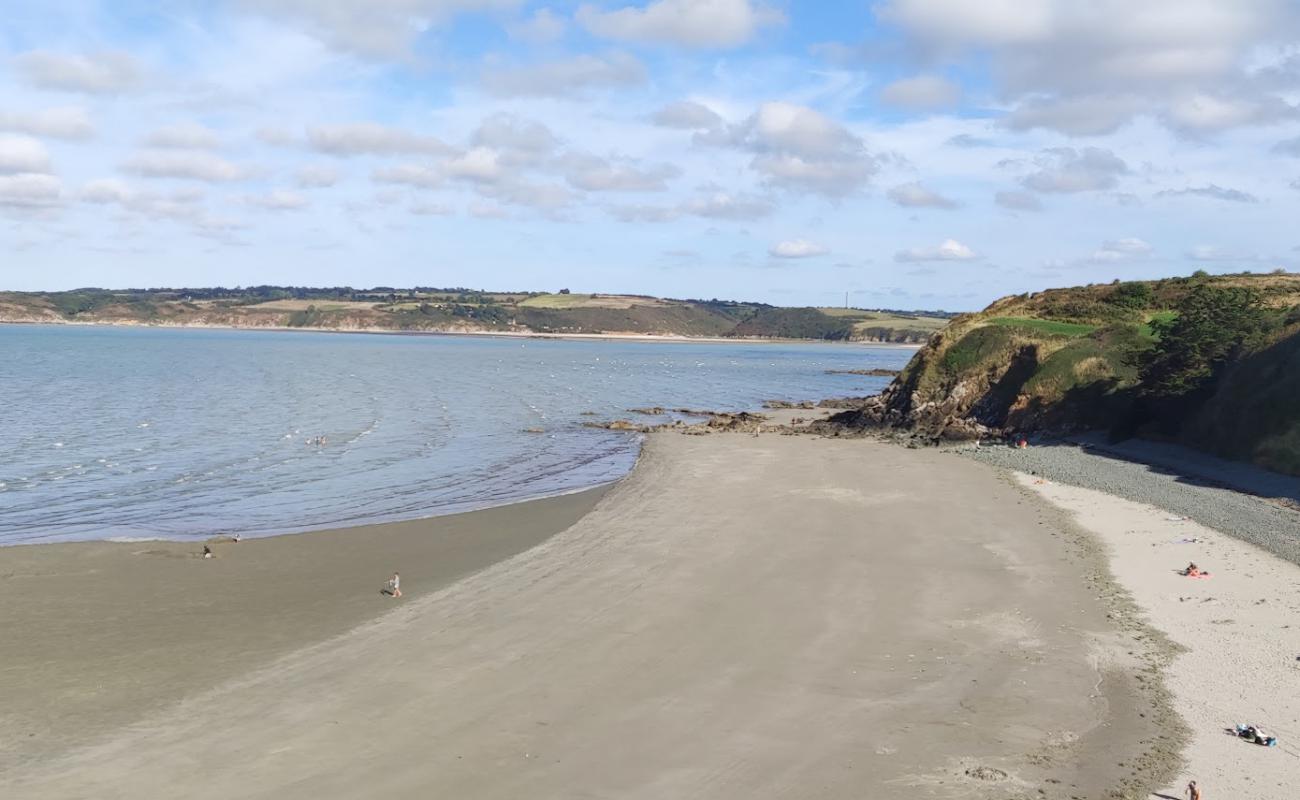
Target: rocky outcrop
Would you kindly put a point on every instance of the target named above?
(714, 422)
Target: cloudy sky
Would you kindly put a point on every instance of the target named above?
(916, 153)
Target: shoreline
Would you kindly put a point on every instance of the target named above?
(725, 606)
(250, 536)
(629, 337)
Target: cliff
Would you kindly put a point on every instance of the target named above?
(1213, 362)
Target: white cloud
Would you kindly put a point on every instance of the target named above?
(596, 174)
(19, 154)
(1127, 249)
(521, 141)
(1018, 201)
(687, 23)
(180, 204)
(185, 165)
(797, 248)
(417, 175)
(1207, 113)
(1088, 115)
(921, 92)
(277, 200)
(56, 123)
(1066, 170)
(29, 191)
(687, 115)
(914, 195)
(1086, 68)
(106, 190)
(644, 214)
(479, 165)
(549, 199)
(723, 205)
(572, 76)
(375, 28)
(543, 27)
(947, 250)
(184, 136)
(101, 73)
(1213, 192)
(712, 205)
(316, 176)
(368, 138)
(801, 149)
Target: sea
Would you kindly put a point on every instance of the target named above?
(139, 433)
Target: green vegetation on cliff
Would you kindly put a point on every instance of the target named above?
(1212, 361)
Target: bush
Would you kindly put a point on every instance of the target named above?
(1134, 295)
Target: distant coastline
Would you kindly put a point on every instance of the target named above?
(459, 310)
(616, 336)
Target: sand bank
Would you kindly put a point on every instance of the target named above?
(98, 635)
(744, 617)
(1240, 630)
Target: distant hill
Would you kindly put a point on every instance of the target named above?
(1211, 361)
(461, 310)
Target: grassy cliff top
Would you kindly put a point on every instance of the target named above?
(1192, 359)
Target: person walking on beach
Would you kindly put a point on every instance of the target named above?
(395, 585)
(1193, 791)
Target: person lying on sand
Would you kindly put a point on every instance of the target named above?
(1253, 733)
(1194, 571)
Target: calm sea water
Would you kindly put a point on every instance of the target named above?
(123, 433)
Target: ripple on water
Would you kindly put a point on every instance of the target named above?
(209, 430)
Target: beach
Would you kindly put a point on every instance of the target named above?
(102, 634)
(1238, 634)
(773, 616)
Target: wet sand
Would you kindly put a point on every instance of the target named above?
(99, 635)
(742, 617)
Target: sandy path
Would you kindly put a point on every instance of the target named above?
(1241, 629)
(770, 617)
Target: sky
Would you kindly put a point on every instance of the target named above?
(931, 154)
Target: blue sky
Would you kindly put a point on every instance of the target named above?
(915, 153)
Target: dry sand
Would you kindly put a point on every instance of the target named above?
(1240, 628)
(742, 617)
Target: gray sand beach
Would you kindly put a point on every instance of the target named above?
(749, 617)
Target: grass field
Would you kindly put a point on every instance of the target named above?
(862, 318)
(1159, 316)
(1050, 327)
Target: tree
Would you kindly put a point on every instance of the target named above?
(1212, 324)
